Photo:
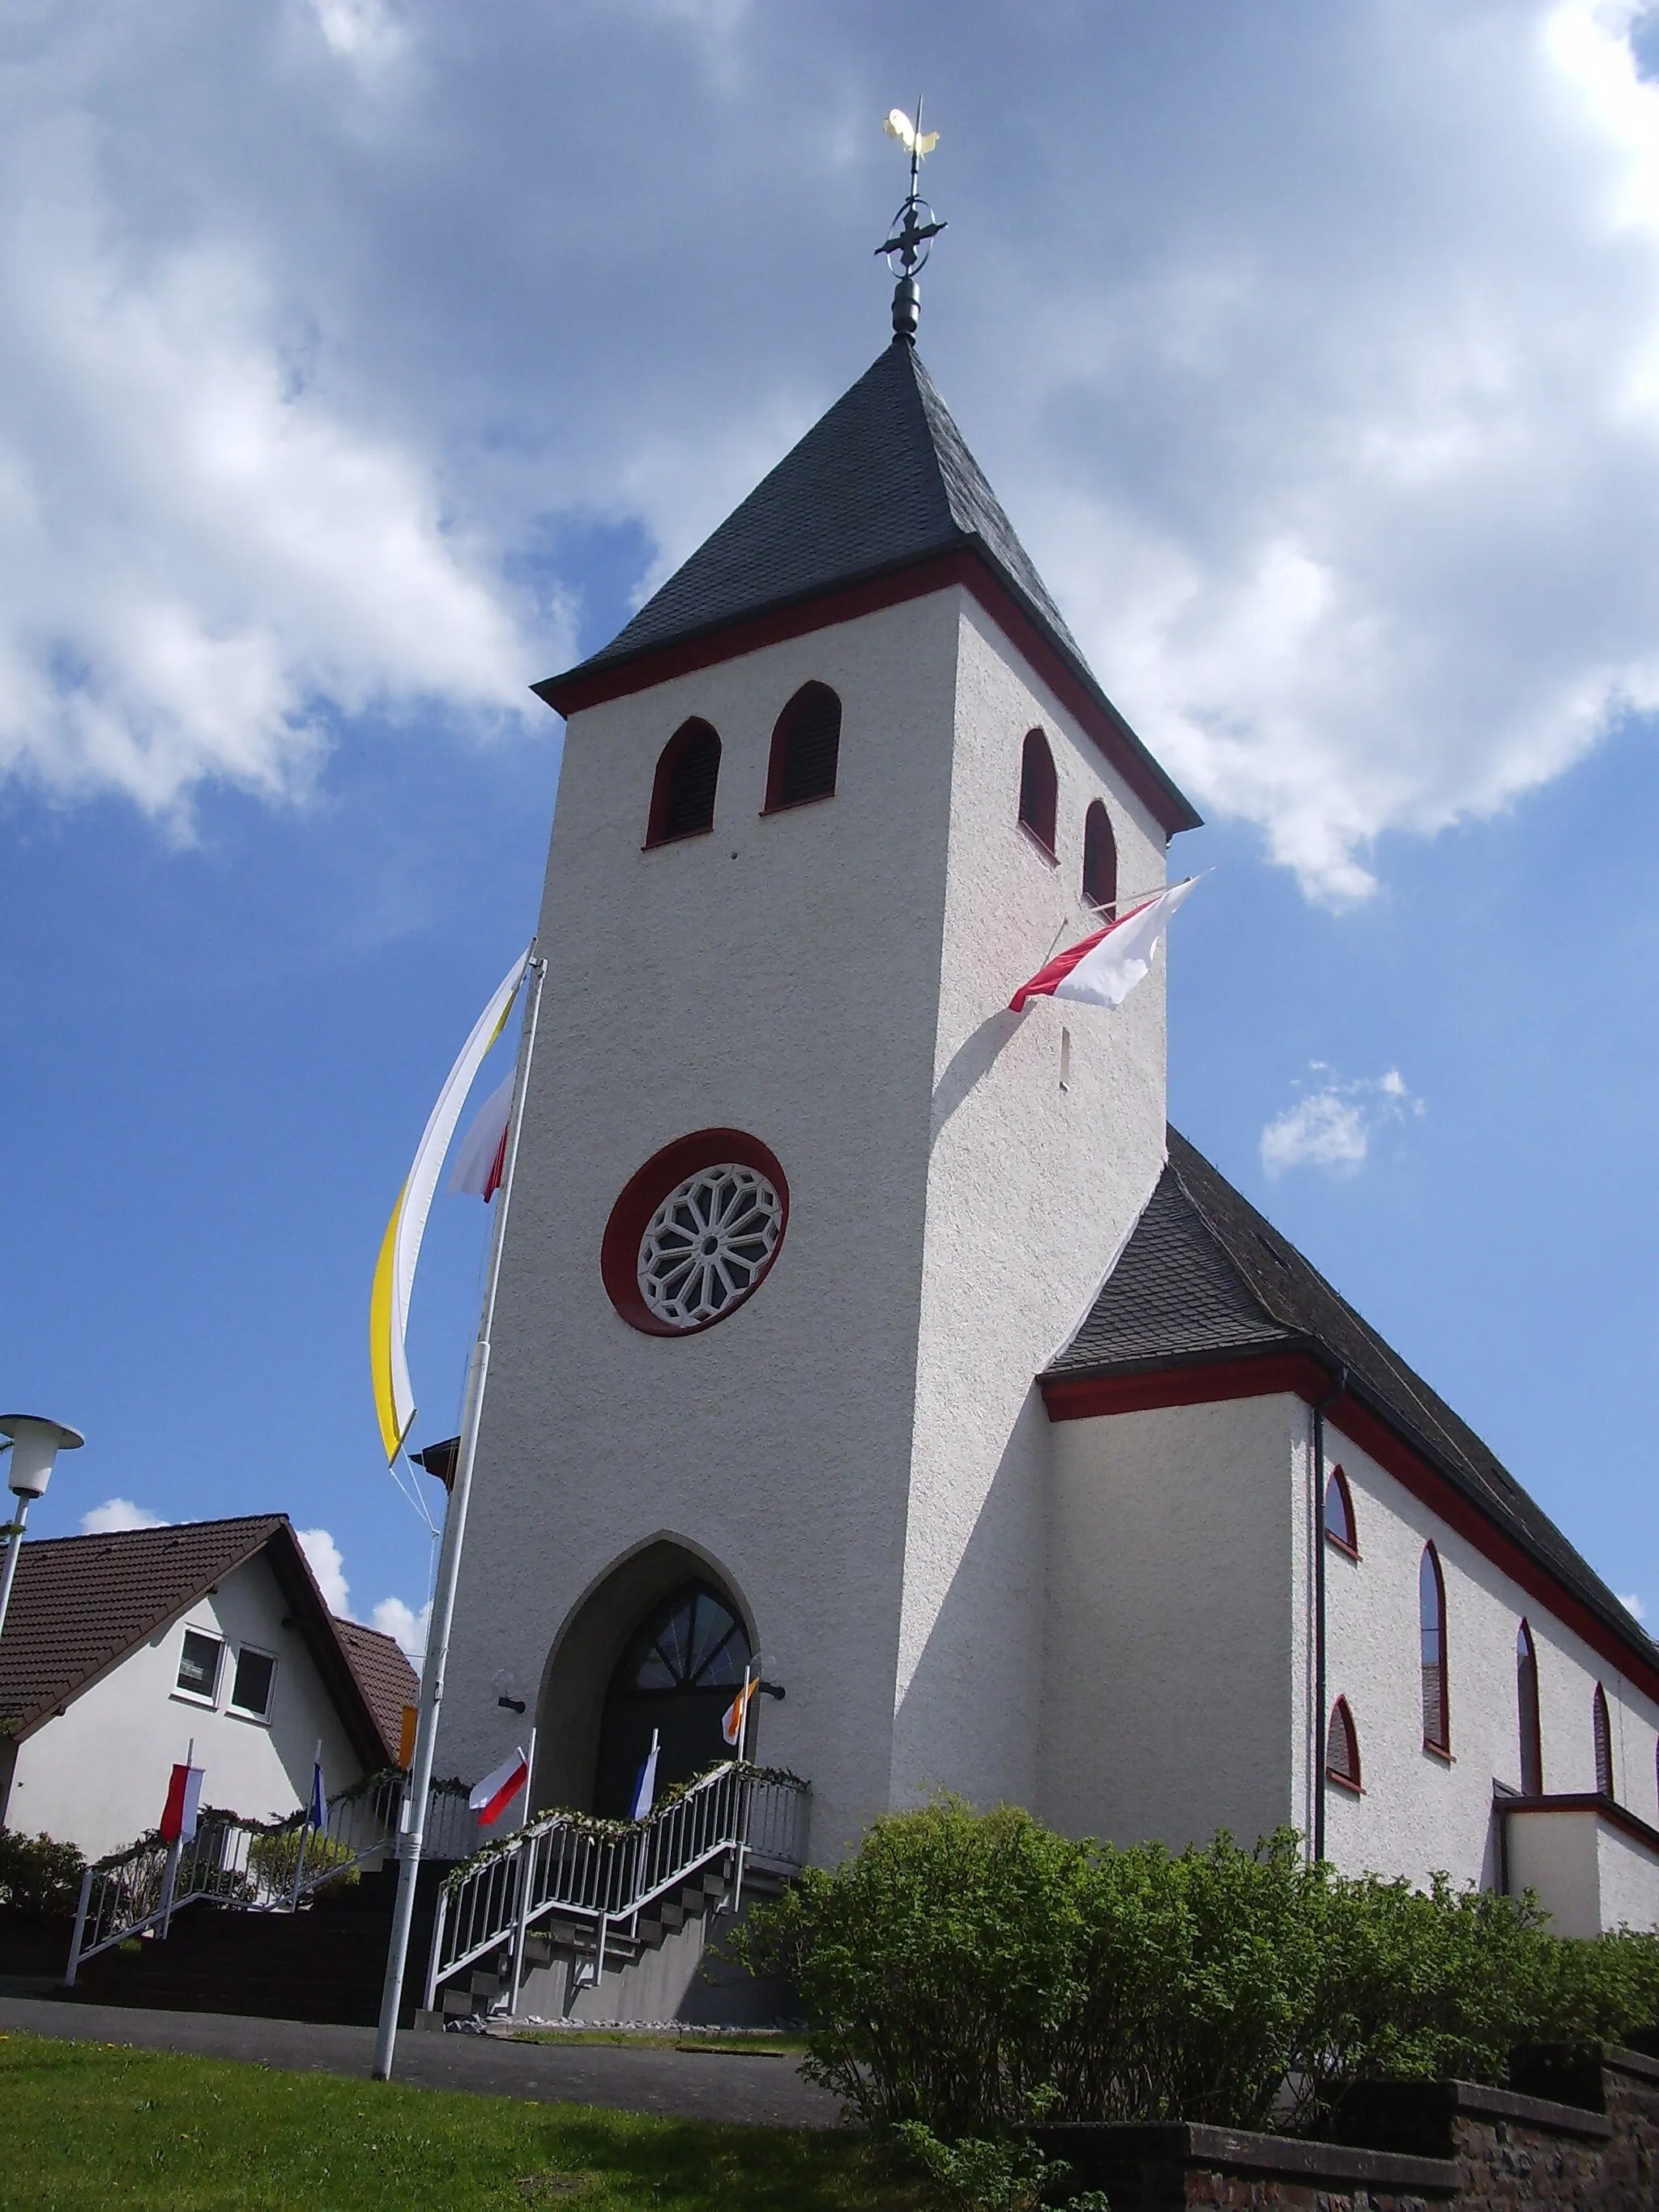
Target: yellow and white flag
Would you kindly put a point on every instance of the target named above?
(394, 1272)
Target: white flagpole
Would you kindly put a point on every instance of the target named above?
(413, 1821)
(742, 1789)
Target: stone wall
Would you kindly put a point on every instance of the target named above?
(1592, 2145)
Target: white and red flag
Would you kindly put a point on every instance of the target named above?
(1102, 970)
(736, 1712)
(491, 1797)
(184, 1802)
(481, 1156)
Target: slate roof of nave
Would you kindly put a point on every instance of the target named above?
(1205, 1276)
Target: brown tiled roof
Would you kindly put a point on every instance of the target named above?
(81, 1603)
(387, 1679)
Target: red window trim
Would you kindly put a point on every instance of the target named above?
(1049, 778)
(645, 1191)
(775, 756)
(1440, 1745)
(1339, 1482)
(1300, 1374)
(1355, 1783)
(655, 834)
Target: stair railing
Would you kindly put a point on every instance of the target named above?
(606, 1873)
(252, 1866)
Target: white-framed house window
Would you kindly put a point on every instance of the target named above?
(200, 1659)
(255, 1681)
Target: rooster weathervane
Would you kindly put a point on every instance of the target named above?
(914, 226)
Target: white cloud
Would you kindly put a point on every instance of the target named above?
(1332, 1124)
(116, 1514)
(323, 1555)
(409, 1629)
(1634, 1607)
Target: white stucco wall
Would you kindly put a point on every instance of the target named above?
(97, 1776)
(1172, 1707)
(1586, 1870)
(859, 1449)
(1031, 1191)
(1420, 1812)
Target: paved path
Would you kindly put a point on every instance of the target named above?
(756, 2091)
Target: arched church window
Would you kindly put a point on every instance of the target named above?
(1039, 790)
(805, 749)
(682, 790)
(1339, 1515)
(1603, 1724)
(1342, 1748)
(1431, 1616)
(694, 1232)
(675, 1680)
(1099, 859)
(1525, 1700)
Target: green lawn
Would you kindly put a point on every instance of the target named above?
(87, 2126)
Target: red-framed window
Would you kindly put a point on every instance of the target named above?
(1099, 859)
(1431, 1619)
(1601, 1720)
(806, 755)
(1342, 1748)
(682, 789)
(1039, 790)
(1527, 1714)
(1339, 1527)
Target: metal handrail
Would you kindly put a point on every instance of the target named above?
(607, 1873)
(252, 1866)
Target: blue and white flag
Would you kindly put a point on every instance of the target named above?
(646, 1788)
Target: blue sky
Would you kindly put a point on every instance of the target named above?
(361, 363)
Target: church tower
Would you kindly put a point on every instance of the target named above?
(801, 1209)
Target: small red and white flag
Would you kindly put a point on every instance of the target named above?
(481, 1156)
(732, 1725)
(184, 1802)
(491, 1797)
(1102, 970)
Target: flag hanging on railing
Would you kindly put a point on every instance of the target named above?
(645, 1787)
(394, 1272)
(317, 1811)
(491, 1797)
(1102, 970)
(178, 1816)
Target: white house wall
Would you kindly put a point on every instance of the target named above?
(1032, 1190)
(1171, 1709)
(1420, 1812)
(97, 1776)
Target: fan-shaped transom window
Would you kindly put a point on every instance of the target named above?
(1431, 1616)
(692, 1642)
(1342, 1747)
(672, 1684)
(1039, 790)
(1099, 859)
(683, 791)
(1339, 1514)
(1526, 1701)
(1602, 1720)
(805, 749)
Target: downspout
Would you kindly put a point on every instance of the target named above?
(1319, 1700)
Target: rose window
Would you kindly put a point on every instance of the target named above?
(708, 1244)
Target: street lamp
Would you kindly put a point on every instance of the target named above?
(36, 1444)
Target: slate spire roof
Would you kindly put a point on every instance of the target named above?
(883, 483)
(1204, 1276)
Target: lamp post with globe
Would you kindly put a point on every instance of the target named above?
(34, 1446)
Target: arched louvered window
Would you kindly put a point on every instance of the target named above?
(1339, 1515)
(1039, 790)
(682, 790)
(1603, 1722)
(1342, 1748)
(1099, 859)
(1432, 1615)
(1525, 1702)
(805, 749)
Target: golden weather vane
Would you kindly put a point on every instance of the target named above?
(914, 226)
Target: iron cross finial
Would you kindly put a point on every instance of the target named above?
(914, 226)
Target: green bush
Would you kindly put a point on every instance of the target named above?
(973, 1973)
(274, 1858)
(38, 1876)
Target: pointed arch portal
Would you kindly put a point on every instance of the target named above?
(660, 1642)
